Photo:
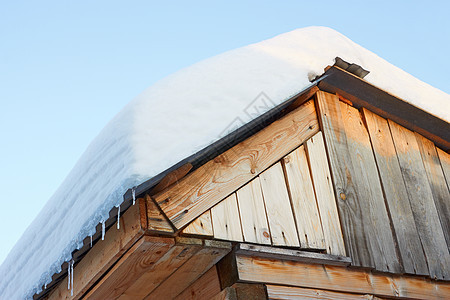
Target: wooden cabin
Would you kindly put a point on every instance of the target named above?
(342, 192)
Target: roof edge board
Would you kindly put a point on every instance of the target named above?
(363, 94)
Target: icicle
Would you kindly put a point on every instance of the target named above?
(133, 194)
(45, 286)
(118, 218)
(91, 241)
(71, 278)
(103, 230)
(68, 275)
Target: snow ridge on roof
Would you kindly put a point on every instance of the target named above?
(175, 118)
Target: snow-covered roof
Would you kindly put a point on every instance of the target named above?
(175, 118)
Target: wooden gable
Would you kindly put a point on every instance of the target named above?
(284, 214)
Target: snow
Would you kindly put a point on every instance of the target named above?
(175, 118)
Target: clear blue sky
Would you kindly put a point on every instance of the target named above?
(67, 67)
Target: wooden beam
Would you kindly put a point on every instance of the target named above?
(218, 178)
(206, 287)
(279, 292)
(445, 164)
(191, 270)
(291, 255)
(243, 291)
(396, 195)
(364, 218)
(103, 255)
(336, 278)
(140, 259)
(172, 177)
(173, 259)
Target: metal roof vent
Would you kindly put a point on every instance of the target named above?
(349, 67)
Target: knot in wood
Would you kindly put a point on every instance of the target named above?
(343, 197)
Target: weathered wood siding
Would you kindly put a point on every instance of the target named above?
(362, 187)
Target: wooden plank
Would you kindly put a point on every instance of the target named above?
(201, 226)
(279, 211)
(292, 255)
(445, 164)
(326, 200)
(364, 219)
(294, 293)
(156, 220)
(226, 221)
(253, 213)
(303, 199)
(436, 179)
(166, 266)
(421, 200)
(396, 195)
(210, 183)
(172, 177)
(189, 272)
(206, 287)
(340, 279)
(140, 259)
(102, 255)
(228, 293)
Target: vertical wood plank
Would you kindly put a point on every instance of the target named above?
(422, 203)
(326, 200)
(278, 207)
(200, 226)
(363, 213)
(303, 199)
(226, 221)
(253, 213)
(437, 182)
(410, 247)
(445, 164)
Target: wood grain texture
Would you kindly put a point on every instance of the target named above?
(279, 292)
(253, 213)
(200, 226)
(156, 220)
(421, 200)
(172, 178)
(436, 179)
(363, 214)
(278, 207)
(168, 264)
(396, 195)
(140, 259)
(340, 279)
(303, 199)
(292, 255)
(445, 164)
(226, 220)
(189, 272)
(212, 182)
(326, 200)
(102, 255)
(206, 287)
